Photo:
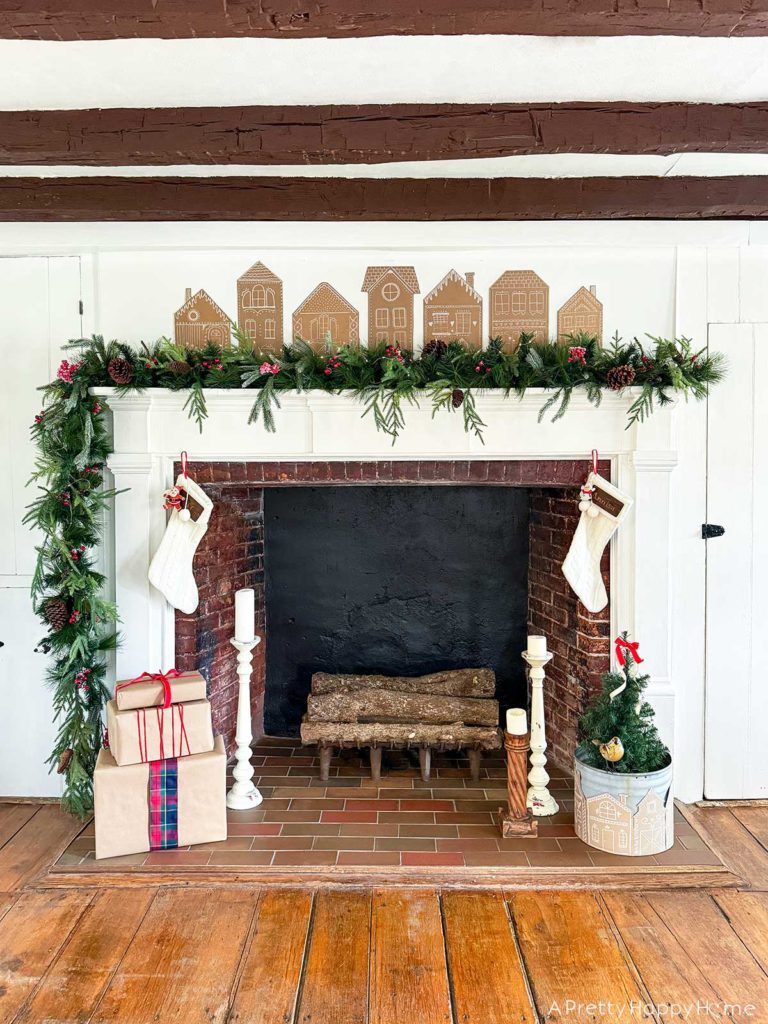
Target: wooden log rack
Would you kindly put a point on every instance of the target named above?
(452, 710)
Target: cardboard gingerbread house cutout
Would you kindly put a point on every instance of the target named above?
(519, 302)
(260, 306)
(390, 303)
(582, 312)
(201, 322)
(326, 314)
(453, 310)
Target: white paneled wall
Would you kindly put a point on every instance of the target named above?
(41, 298)
(661, 278)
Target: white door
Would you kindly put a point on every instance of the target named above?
(736, 740)
(40, 300)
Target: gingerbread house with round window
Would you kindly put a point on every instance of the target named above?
(201, 322)
(390, 303)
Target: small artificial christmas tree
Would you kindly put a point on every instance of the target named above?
(619, 718)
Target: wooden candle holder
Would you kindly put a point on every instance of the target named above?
(517, 820)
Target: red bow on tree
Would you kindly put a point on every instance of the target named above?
(631, 646)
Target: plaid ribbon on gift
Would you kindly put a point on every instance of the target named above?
(164, 804)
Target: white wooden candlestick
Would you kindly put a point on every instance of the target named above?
(540, 800)
(243, 793)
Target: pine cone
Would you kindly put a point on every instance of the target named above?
(56, 612)
(179, 367)
(619, 377)
(436, 347)
(120, 370)
(64, 759)
(457, 398)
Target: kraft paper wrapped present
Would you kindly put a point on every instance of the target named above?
(155, 689)
(161, 805)
(152, 734)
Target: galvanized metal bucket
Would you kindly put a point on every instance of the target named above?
(630, 815)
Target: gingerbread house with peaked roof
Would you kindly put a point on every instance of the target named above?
(390, 303)
(519, 302)
(583, 312)
(326, 313)
(260, 306)
(453, 310)
(201, 322)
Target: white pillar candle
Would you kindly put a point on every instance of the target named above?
(517, 722)
(245, 615)
(537, 646)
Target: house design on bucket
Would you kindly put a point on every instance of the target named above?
(201, 322)
(453, 310)
(260, 306)
(614, 826)
(519, 302)
(390, 303)
(582, 312)
(325, 313)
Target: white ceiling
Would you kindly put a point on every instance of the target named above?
(423, 69)
(546, 165)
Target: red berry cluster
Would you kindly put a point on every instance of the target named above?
(152, 363)
(81, 679)
(87, 470)
(577, 354)
(333, 364)
(40, 415)
(74, 617)
(212, 364)
(65, 499)
(393, 352)
(482, 367)
(647, 363)
(97, 408)
(75, 553)
(67, 371)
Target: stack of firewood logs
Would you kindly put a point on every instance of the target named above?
(451, 710)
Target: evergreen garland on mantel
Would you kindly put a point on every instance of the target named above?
(73, 446)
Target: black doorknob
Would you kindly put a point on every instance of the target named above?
(710, 530)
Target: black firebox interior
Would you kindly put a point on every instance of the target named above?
(396, 580)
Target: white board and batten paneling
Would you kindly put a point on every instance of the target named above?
(737, 568)
(40, 299)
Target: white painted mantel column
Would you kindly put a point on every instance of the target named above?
(151, 429)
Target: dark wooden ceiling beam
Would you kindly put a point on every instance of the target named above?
(374, 133)
(181, 19)
(349, 199)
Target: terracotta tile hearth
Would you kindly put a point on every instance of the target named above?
(402, 828)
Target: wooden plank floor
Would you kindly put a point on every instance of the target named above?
(240, 953)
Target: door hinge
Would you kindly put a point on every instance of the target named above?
(81, 307)
(710, 530)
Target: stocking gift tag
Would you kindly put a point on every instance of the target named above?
(171, 568)
(602, 507)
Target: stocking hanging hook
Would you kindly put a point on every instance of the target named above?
(595, 460)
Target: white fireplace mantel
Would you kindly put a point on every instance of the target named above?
(151, 428)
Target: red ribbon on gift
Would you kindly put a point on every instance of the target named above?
(160, 677)
(141, 729)
(631, 646)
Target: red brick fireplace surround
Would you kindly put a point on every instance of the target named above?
(231, 556)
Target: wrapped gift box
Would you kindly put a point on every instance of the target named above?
(160, 805)
(151, 734)
(148, 691)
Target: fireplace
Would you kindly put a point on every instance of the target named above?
(322, 444)
(395, 568)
